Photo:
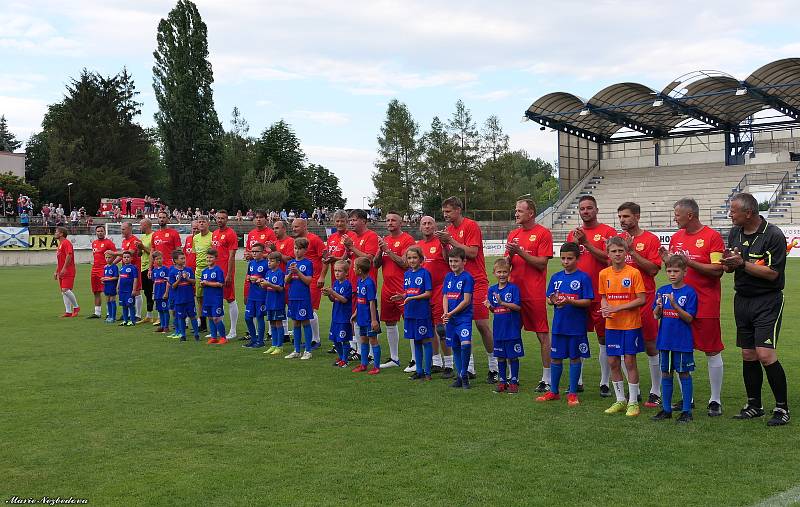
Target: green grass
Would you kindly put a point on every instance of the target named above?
(127, 417)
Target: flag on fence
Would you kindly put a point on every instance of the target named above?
(13, 237)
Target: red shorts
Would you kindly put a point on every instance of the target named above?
(229, 291)
(436, 306)
(95, 281)
(707, 335)
(67, 282)
(649, 323)
(391, 311)
(534, 315)
(480, 292)
(316, 294)
(594, 321)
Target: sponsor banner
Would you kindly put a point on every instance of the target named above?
(494, 247)
(12, 238)
(47, 242)
(664, 237)
(792, 233)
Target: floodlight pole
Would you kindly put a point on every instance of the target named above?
(69, 196)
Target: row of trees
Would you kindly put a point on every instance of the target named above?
(415, 171)
(91, 138)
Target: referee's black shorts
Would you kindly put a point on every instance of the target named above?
(758, 320)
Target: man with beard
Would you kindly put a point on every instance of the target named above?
(99, 248)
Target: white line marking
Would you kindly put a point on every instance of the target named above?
(788, 497)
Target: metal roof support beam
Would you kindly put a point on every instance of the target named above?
(773, 101)
(624, 121)
(695, 113)
(548, 122)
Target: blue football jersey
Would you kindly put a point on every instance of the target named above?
(275, 299)
(128, 274)
(342, 311)
(298, 291)
(507, 324)
(257, 270)
(160, 280)
(454, 288)
(673, 333)
(570, 320)
(110, 271)
(212, 296)
(366, 293)
(416, 283)
(184, 292)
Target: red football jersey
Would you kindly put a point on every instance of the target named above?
(469, 234)
(647, 245)
(392, 273)
(224, 240)
(65, 249)
(131, 244)
(705, 246)
(314, 253)
(367, 243)
(99, 249)
(286, 247)
(435, 262)
(587, 262)
(536, 241)
(335, 246)
(188, 251)
(262, 236)
(166, 241)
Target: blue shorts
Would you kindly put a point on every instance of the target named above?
(212, 311)
(162, 305)
(418, 329)
(300, 310)
(341, 332)
(126, 299)
(626, 342)
(563, 346)
(672, 360)
(255, 309)
(110, 291)
(273, 315)
(509, 349)
(457, 332)
(183, 310)
(367, 331)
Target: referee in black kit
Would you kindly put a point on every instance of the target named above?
(756, 254)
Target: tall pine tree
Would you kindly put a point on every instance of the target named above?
(397, 179)
(7, 140)
(238, 156)
(190, 130)
(440, 180)
(280, 147)
(495, 173)
(465, 138)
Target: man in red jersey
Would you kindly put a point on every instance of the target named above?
(314, 253)
(591, 237)
(702, 247)
(188, 247)
(643, 254)
(261, 234)
(65, 272)
(335, 249)
(132, 244)
(530, 247)
(392, 260)
(99, 248)
(436, 264)
(283, 243)
(363, 243)
(226, 242)
(465, 233)
(165, 240)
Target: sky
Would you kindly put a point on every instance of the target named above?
(331, 68)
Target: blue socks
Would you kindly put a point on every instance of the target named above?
(376, 355)
(419, 355)
(457, 357)
(515, 371)
(336, 345)
(260, 329)
(466, 351)
(195, 330)
(555, 376)
(688, 394)
(297, 337)
(428, 353)
(307, 332)
(364, 354)
(574, 376)
(666, 394)
(251, 328)
(501, 368)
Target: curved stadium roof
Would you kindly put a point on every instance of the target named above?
(716, 100)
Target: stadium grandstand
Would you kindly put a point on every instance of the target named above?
(706, 135)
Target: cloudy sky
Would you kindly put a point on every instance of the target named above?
(330, 68)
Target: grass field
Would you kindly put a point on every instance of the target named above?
(128, 417)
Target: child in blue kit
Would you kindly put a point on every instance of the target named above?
(212, 280)
(571, 293)
(675, 305)
(299, 272)
(275, 303)
(457, 317)
(127, 289)
(417, 318)
(366, 317)
(256, 309)
(505, 304)
(341, 294)
(160, 276)
(182, 282)
(110, 280)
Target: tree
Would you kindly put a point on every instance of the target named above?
(187, 121)
(494, 173)
(323, 188)
(397, 179)
(7, 140)
(262, 189)
(494, 142)
(238, 156)
(16, 186)
(280, 147)
(440, 180)
(467, 145)
(109, 155)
